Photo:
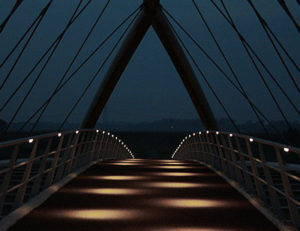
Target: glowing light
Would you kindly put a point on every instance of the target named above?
(122, 163)
(30, 141)
(200, 133)
(190, 136)
(108, 133)
(207, 132)
(251, 139)
(112, 135)
(217, 133)
(189, 203)
(286, 149)
(103, 132)
(172, 167)
(97, 131)
(179, 174)
(194, 134)
(101, 214)
(230, 135)
(118, 177)
(173, 185)
(106, 191)
(77, 132)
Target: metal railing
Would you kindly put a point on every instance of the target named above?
(29, 166)
(268, 170)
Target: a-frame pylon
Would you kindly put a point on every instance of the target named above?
(151, 14)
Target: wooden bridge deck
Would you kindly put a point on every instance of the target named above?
(144, 195)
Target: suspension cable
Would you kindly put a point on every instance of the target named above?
(266, 28)
(225, 75)
(288, 12)
(22, 37)
(203, 76)
(15, 7)
(97, 72)
(44, 66)
(72, 62)
(78, 68)
(242, 39)
(230, 66)
(41, 16)
(51, 47)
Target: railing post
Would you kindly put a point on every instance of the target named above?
(294, 213)
(95, 141)
(272, 193)
(210, 151)
(221, 154)
(99, 148)
(38, 180)
(7, 177)
(50, 177)
(80, 145)
(106, 146)
(259, 188)
(228, 159)
(61, 168)
(248, 181)
(238, 175)
(22, 190)
(73, 153)
(202, 145)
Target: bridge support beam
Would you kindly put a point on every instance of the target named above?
(151, 14)
(184, 69)
(116, 69)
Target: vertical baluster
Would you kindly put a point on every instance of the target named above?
(258, 185)
(248, 181)
(210, 151)
(106, 147)
(51, 174)
(62, 167)
(293, 209)
(94, 147)
(202, 145)
(8, 175)
(79, 150)
(73, 153)
(22, 189)
(37, 183)
(221, 154)
(272, 193)
(237, 175)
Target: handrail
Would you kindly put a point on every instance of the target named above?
(268, 170)
(30, 165)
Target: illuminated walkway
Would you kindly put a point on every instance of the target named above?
(145, 195)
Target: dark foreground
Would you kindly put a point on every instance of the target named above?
(145, 195)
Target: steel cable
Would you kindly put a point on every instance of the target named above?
(97, 72)
(224, 74)
(78, 68)
(230, 67)
(72, 62)
(242, 39)
(39, 20)
(204, 78)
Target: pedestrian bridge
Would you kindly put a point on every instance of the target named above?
(90, 180)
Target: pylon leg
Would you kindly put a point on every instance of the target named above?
(116, 69)
(180, 61)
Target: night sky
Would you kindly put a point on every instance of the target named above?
(150, 88)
